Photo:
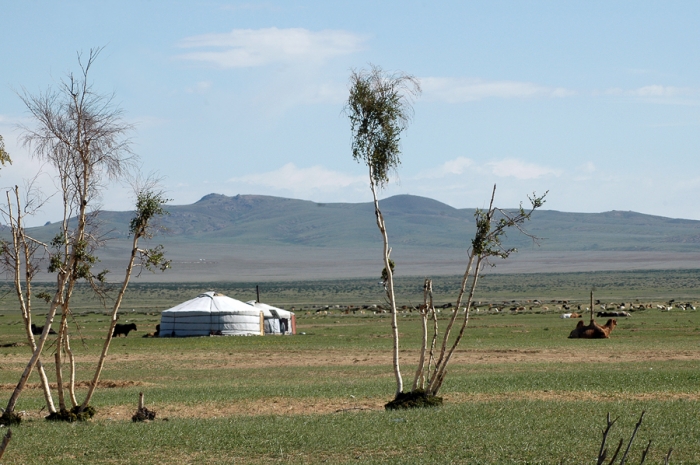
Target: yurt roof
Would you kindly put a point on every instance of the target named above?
(211, 302)
(266, 309)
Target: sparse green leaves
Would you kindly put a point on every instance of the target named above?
(379, 108)
(487, 241)
(385, 275)
(4, 156)
(149, 204)
(154, 259)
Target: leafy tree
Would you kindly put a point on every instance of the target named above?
(380, 108)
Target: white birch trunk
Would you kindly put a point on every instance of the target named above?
(389, 288)
(113, 323)
(419, 379)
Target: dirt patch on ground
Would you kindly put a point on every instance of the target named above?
(248, 407)
(463, 356)
(568, 396)
(339, 358)
(316, 406)
(82, 384)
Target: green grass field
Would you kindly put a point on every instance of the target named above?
(518, 392)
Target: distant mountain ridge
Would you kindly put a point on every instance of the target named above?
(281, 229)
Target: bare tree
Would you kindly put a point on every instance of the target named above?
(20, 258)
(81, 134)
(603, 452)
(491, 228)
(380, 108)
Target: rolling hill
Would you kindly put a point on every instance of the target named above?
(262, 237)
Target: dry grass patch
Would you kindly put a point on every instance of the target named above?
(569, 396)
(249, 407)
(82, 384)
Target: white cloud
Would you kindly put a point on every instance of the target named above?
(659, 91)
(656, 94)
(588, 167)
(509, 167)
(245, 48)
(455, 166)
(199, 88)
(521, 170)
(302, 180)
(459, 90)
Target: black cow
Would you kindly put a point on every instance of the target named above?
(123, 329)
(37, 330)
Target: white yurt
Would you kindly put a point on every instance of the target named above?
(276, 320)
(211, 314)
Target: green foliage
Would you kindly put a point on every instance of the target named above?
(45, 296)
(149, 205)
(84, 260)
(385, 275)
(487, 241)
(4, 156)
(155, 259)
(379, 108)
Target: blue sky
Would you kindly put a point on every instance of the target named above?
(597, 102)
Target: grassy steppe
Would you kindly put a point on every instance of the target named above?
(519, 391)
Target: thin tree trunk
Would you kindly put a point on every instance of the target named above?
(431, 357)
(71, 251)
(419, 379)
(25, 306)
(71, 383)
(448, 328)
(115, 310)
(6, 441)
(389, 288)
(441, 366)
(441, 369)
(45, 386)
(35, 356)
(59, 379)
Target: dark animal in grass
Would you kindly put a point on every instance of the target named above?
(37, 330)
(609, 314)
(593, 330)
(123, 329)
(154, 334)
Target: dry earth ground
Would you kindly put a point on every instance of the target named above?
(339, 358)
